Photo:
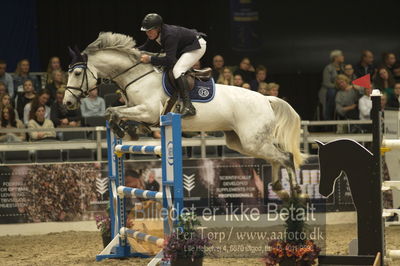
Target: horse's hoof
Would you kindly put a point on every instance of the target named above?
(117, 130)
(297, 189)
(276, 186)
(304, 197)
(283, 195)
(132, 133)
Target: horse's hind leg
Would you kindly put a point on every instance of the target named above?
(292, 174)
(276, 183)
(268, 151)
(233, 142)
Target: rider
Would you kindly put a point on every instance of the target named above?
(183, 48)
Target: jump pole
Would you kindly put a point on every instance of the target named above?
(377, 171)
(172, 187)
(380, 146)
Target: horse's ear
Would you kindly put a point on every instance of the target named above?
(79, 56)
(76, 49)
(71, 52)
(320, 144)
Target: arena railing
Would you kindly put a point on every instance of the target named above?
(202, 140)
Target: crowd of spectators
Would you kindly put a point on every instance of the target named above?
(244, 75)
(340, 99)
(27, 101)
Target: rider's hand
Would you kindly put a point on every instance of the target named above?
(144, 58)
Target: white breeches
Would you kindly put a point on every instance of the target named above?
(187, 60)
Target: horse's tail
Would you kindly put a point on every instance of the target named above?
(287, 129)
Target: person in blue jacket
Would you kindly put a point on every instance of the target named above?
(182, 47)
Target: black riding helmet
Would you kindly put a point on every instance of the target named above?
(151, 21)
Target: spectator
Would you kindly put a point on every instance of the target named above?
(156, 134)
(238, 80)
(348, 70)
(365, 104)
(5, 100)
(152, 183)
(393, 101)
(246, 86)
(346, 99)
(246, 70)
(396, 72)
(384, 81)
(41, 99)
(218, 67)
(8, 120)
(22, 74)
(263, 88)
(133, 179)
(61, 116)
(327, 92)
(54, 64)
(39, 121)
(384, 100)
(261, 76)
(366, 65)
(93, 105)
(273, 89)
(6, 78)
(3, 88)
(55, 84)
(388, 61)
(226, 78)
(24, 98)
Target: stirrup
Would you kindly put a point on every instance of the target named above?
(188, 111)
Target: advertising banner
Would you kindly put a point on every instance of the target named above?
(77, 191)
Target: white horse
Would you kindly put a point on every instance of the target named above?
(255, 125)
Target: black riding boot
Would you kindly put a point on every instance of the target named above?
(188, 108)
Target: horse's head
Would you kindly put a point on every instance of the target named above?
(328, 171)
(81, 79)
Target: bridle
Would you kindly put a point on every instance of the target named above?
(86, 69)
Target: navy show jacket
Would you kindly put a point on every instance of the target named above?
(175, 41)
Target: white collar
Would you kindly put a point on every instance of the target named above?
(159, 39)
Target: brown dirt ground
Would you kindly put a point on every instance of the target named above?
(80, 248)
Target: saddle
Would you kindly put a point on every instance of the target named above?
(201, 74)
(191, 75)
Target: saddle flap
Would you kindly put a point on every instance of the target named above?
(201, 91)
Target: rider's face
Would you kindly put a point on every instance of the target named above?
(152, 34)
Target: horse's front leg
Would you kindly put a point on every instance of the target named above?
(113, 112)
(114, 119)
(138, 113)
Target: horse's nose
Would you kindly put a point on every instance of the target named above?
(68, 103)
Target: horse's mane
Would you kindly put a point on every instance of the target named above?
(113, 41)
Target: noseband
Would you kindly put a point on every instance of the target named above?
(86, 69)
